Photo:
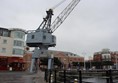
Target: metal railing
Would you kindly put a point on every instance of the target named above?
(76, 76)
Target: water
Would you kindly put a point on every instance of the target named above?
(98, 80)
(95, 80)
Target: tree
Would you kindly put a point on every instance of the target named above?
(57, 61)
(75, 63)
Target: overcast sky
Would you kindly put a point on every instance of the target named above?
(92, 26)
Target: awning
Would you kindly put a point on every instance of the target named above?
(15, 59)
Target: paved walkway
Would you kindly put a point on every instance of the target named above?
(21, 77)
(37, 78)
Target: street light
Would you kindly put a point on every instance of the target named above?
(84, 61)
(116, 61)
(64, 63)
(90, 58)
(84, 64)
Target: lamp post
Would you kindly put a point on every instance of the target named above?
(64, 65)
(84, 64)
(116, 62)
(90, 58)
(84, 61)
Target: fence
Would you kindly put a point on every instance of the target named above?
(76, 76)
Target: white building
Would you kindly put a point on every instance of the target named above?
(12, 42)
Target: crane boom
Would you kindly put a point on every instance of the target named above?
(63, 15)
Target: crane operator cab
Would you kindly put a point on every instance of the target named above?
(40, 37)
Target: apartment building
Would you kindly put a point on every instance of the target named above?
(12, 45)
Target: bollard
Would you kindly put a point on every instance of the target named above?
(55, 80)
(110, 76)
(64, 76)
(80, 76)
(107, 76)
(50, 75)
(75, 81)
(46, 75)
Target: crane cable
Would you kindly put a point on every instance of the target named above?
(58, 4)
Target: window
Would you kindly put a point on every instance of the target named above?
(0, 32)
(44, 37)
(3, 50)
(18, 43)
(19, 34)
(106, 57)
(17, 51)
(53, 39)
(5, 34)
(33, 36)
(4, 41)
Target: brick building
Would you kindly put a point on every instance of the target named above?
(65, 57)
(106, 55)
